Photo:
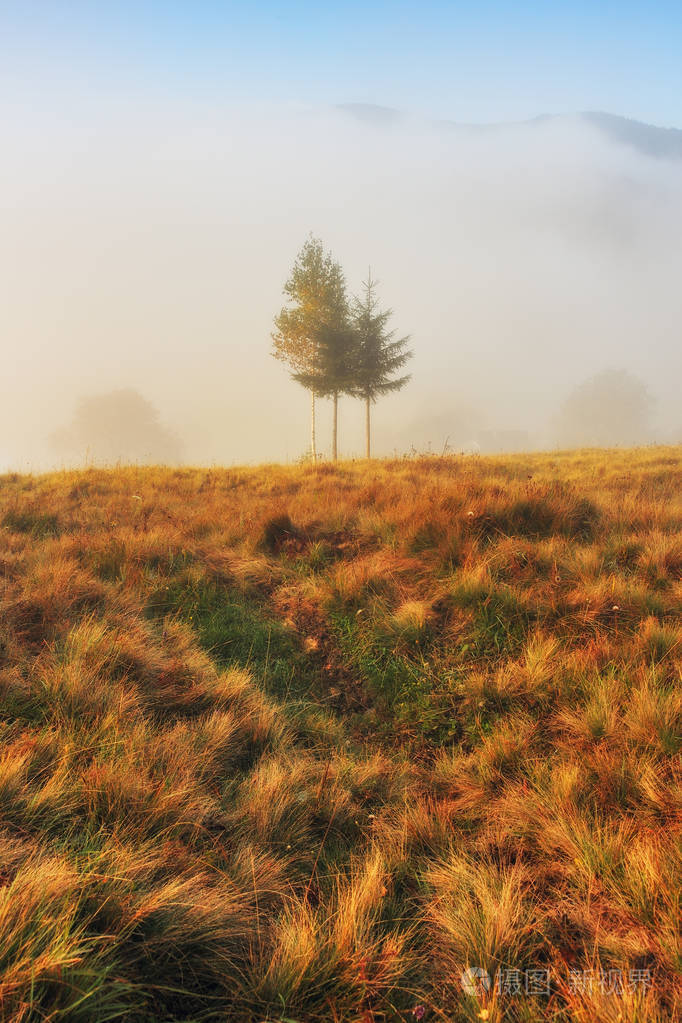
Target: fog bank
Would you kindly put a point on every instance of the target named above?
(145, 245)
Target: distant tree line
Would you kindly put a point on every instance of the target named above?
(117, 426)
(334, 345)
(613, 407)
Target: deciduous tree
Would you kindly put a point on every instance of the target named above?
(333, 370)
(316, 292)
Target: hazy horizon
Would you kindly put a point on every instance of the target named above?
(161, 172)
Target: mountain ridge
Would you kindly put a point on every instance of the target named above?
(649, 139)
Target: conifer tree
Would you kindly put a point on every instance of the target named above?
(379, 355)
(316, 290)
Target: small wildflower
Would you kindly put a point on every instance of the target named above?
(483, 1014)
(419, 1011)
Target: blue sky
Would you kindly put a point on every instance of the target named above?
(476, 61)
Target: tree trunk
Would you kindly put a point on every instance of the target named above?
(335, 425)
(367, 428)
(313, 443)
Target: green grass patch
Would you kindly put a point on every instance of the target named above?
(235, 628)
(400, 682)
(500, 621)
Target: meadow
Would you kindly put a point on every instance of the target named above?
(362, 742)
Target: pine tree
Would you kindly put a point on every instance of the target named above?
(379, 356)
(316, 290)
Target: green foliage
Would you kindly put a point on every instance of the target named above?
(333, 371)
(380, 355)
(316, 291)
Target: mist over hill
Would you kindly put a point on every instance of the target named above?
(649, 139)
(145, 246)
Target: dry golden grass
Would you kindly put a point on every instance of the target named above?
(307, 744)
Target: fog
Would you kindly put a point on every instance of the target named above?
(145, 244)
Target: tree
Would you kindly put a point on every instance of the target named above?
(613, 407)
(316, 290)
(333, 371)
(379, 356)
(117, 426)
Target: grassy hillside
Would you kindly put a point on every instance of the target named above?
(305, 744)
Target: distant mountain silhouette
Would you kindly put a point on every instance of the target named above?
(662, 143)
(371, 113)
(648, 139)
